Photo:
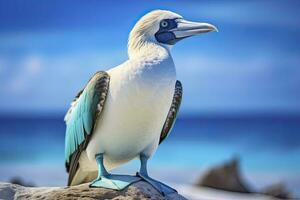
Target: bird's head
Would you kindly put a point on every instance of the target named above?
(164, 28)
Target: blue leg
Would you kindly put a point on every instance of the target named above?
(111, 181)
(159, 186)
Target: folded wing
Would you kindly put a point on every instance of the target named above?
(171, 118)
(81, 119)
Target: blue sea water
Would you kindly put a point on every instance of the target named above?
(267, 146)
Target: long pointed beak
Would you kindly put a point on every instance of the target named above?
(187, 28)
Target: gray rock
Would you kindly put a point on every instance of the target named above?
(138, 191)
(278, 190)
(225, 177)
(19, 181)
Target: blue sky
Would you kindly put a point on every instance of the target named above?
(49, 49)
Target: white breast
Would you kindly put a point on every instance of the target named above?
(140, 95)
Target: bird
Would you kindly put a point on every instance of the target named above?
(126, 112)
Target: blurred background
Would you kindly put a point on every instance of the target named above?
(241, 86)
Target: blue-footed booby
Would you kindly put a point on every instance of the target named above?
(127, 111)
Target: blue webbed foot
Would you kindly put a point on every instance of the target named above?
(111, 181)
(115, 182)
(159, 186)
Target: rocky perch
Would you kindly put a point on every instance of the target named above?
(138, 191)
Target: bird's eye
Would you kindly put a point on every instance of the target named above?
(164, 24)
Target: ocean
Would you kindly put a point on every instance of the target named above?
(268, 148)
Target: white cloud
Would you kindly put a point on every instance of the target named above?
(29, 67)
(247, 82)
(267, 13)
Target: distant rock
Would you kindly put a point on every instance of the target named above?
(20, 181)
(278, 190)
(225, 177)
(138, 191)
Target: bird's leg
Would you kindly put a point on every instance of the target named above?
(101, 169)
(159, 186)
(111, 181)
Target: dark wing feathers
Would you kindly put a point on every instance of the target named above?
(171, 118)
(81, 120)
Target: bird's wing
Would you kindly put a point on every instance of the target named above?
(81, 118)
(171, 118)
